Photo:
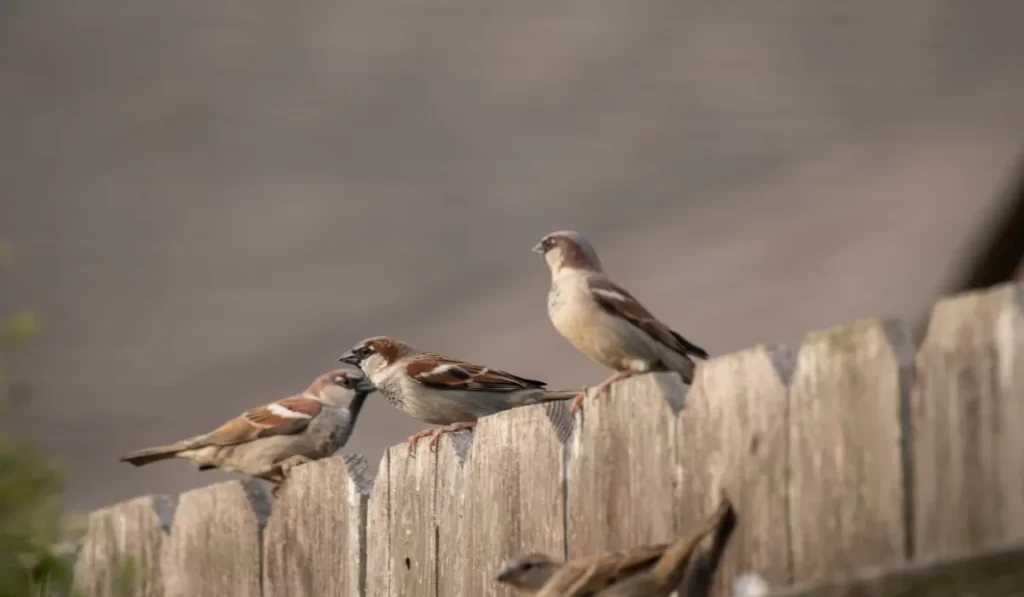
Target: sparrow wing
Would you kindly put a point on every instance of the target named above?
(283, 417)
(442, 373)
(618, 302)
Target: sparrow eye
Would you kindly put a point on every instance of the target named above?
(527, 565)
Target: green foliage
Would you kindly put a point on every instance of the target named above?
(31, 520)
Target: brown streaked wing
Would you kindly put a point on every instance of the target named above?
(448, 374)
(264, 422)
(631, 561)
(618, 301)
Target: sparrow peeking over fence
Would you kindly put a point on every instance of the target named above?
(645, 571)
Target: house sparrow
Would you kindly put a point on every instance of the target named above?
(268, 441)
(655, 570)
(603, 320)
(670, 570)
(440, 390)
(528, 574)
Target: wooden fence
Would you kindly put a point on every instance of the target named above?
(853, 450)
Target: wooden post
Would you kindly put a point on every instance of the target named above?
(215, 544)
(412, 525)
(315, 539)
(120, 553)
(849, 394)
(378, 532)
(968, 424)
(452, 512)
(735, 438)
(512, 498)
(624, 477)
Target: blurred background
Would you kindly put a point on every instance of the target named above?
(209, 201)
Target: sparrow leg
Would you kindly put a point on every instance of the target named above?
(600, 388)
(284, 471)
(411, 442)
(287, 465)
(448, 429)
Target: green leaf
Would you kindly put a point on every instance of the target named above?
(24, 325)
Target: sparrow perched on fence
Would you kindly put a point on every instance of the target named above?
(268, 441)
(636, 572)
(603, 320)
(440, 390)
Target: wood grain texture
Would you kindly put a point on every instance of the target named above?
(120, 553)
(623, 473)
(412, 522)
(734, 438)
(378, 532)
(214, 548)
(848, 394)
(994, 572)
(452, 512)
(968, 416)
(517, 485)
(315, 539)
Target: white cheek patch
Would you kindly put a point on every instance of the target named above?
(287, 413)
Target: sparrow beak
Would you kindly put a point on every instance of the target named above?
(504, 575)
(349, 358)
(365, 386)
(538, 248)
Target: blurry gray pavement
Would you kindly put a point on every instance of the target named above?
(211, 200)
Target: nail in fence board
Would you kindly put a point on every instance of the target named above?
(378, 533)
(515, 494)
(623, 476)
(315, 538)
(214, 549)
(848, 395)
(734, 438)
(968, 424)
(412, 524)
(120, 553)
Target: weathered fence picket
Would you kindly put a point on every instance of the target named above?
(315, 540)
(851, 450)
(215, 545)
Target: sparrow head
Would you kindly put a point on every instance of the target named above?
(374, 354)
(568, 249)
(340, 386)
(530, 572)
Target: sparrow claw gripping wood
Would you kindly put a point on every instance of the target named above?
(414, 439)
(603, 320)
(441, 390)
(267, 442)
(453, 428)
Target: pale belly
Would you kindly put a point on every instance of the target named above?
(593, 332)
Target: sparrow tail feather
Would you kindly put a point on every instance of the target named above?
(671, 568)
(155, 454)
(556, 395)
